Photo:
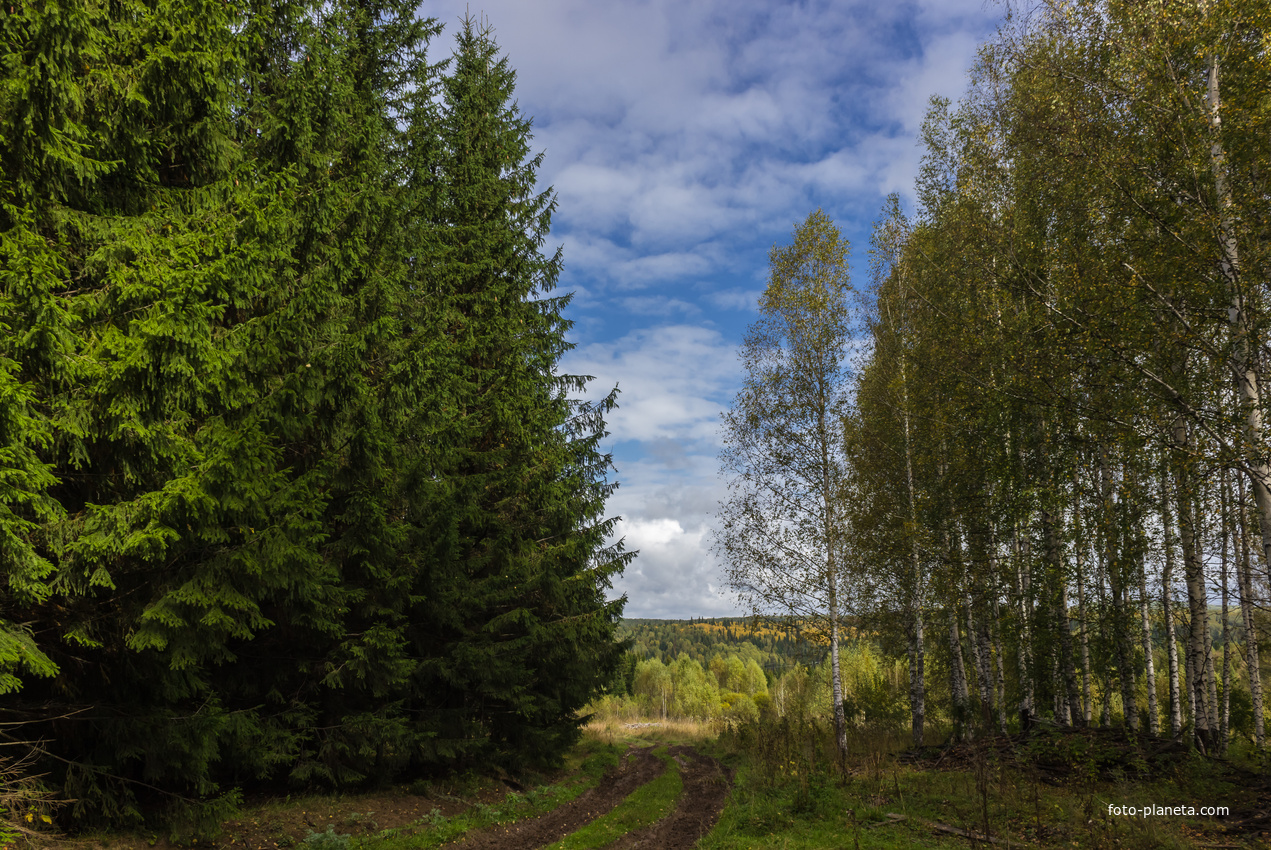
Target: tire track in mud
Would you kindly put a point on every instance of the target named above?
(637, 767)
(706, 785)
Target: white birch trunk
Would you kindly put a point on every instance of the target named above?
(958, 684)
(1000, 668)
(1153, 712)
(976, 621)
(1243, 367)
(1224, 725)
(1199, 660)
(1079, 552)
(917, 648)
(830, 531)
(1167, 609)
(1189, 671)
(1192, 575)
(1244, 579)
(1105, 710)
(917, 681)
(1087, 702)
(979, 637)
(1026, 706)
(836, 676)
(957, 681)
(1251, 652)
(1125, 660)
(1114, 559)
(1067, 684)
(1211, 677)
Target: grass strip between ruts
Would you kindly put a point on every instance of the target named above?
(642, 808)
(437, 830)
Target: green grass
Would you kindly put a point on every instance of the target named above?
(816, 809)
(798, 803)
(642, 808)
(592, 760)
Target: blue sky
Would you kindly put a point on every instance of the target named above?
(684, 138)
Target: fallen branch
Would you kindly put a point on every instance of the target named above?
(892, 817)
(953, 830)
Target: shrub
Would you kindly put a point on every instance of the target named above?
(329, 840)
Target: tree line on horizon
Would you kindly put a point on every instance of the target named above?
(291, 489)
(1038, 463)
(775, 649)
(733, 671)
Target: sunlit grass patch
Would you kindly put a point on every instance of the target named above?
(615, 730)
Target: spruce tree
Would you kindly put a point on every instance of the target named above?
(515, 631)
(291, 487)
(119, 212)
(218, 190)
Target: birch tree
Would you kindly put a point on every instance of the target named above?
(781, 527)
(883, 449)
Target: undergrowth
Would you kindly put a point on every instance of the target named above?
(790, 794)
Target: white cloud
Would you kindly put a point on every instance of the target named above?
(668, 505)
(667, 122)
(602, 261)
(674, 380)
(684, 139)
(735, 299)
(658, 306)
(675, 575)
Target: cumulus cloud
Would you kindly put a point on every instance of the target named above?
(734, 299)
(675, 575)
(668, 505)
(662, 120)
(683, 140)
(673, 381)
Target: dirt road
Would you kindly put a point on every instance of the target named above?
(706, 784)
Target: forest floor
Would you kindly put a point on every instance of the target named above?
(594, 801)
(665, 785)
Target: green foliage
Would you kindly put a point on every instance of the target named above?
(741, 707)
(291, 487)
(873, 687)
(787, 794)
(729, 687)
(329, 840)
(1241, 719)
(774, 649)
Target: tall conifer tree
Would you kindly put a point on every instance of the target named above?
(518, 632)
(291, 487)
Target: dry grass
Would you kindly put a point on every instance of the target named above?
(621, 730)
(26, 807)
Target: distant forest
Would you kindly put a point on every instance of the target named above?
(740, 669)
(774, 648)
